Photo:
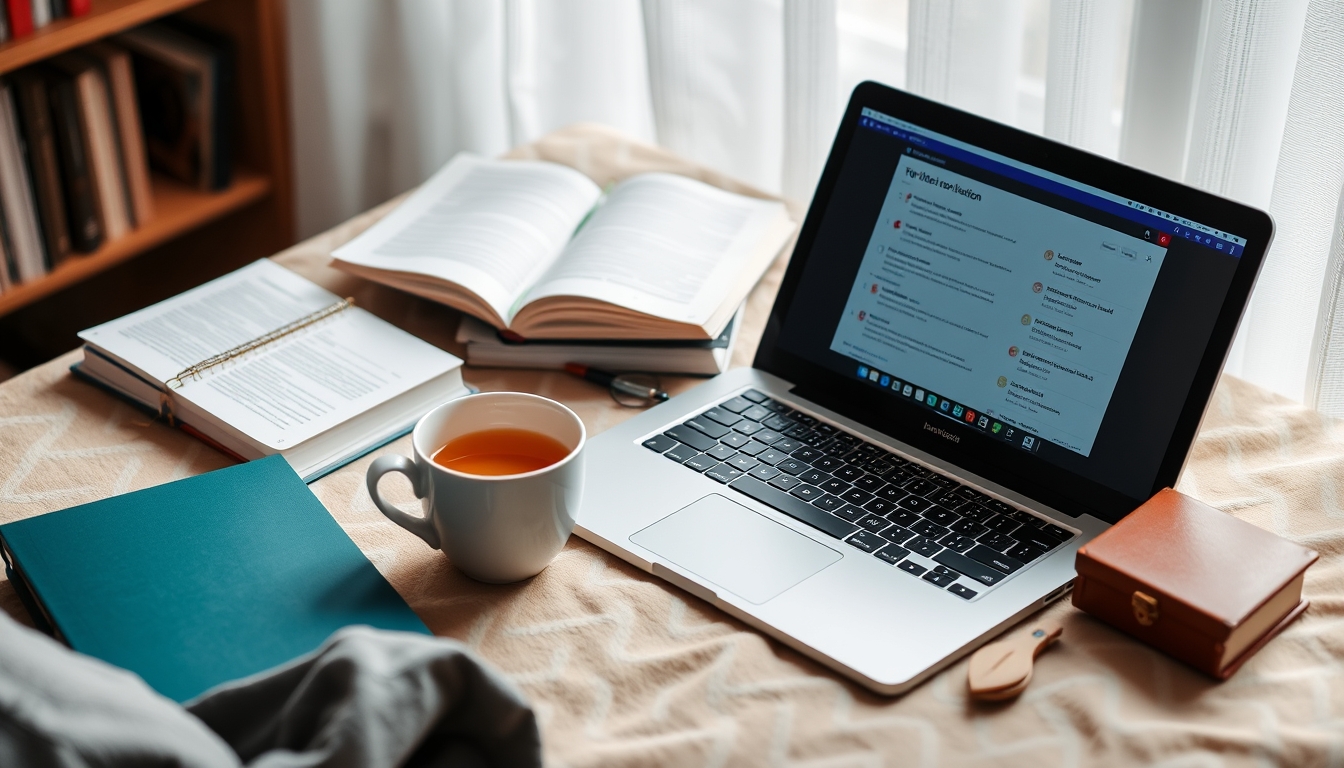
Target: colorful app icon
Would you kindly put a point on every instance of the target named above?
(970, 417)
(897, 225)
(1012, 351)
(864, 315)
(931, 400)
(919, 395)
(863, 371)
(874, 287)
(908, 389)
(1026, 319)
(1028, 441)
(872, 375)
(957, 411)
(984, 420)
(996, 428)
(943, 406)
(1037, 287)
(1003, 381)
(1163, 239)
(884, 381)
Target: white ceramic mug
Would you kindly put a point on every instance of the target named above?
(495, 528)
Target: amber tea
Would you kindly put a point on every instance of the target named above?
(501, 451)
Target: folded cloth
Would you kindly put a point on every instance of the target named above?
(365, 698)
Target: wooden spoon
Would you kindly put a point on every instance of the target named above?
(1002, 670)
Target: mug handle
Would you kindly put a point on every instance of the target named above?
(420, 526)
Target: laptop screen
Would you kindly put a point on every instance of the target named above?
(1053, 318)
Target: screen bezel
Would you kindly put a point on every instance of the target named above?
(992, 459)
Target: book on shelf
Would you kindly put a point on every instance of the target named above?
(115, 63)
(262, 361)
(16, 194)
(486, 346)
(81, 202)
(540, 250)
(95, 114)
(23, 17)
(39, 131)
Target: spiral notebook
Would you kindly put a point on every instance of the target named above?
(262, 361)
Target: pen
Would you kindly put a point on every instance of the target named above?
(615, 382)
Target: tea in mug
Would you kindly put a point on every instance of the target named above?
(502, 451)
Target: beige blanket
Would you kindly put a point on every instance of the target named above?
(626, 670)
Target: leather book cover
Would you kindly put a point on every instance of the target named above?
(20, 17)
(1192, 581)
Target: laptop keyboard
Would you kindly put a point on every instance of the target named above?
(902, 513)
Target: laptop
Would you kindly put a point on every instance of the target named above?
(988, 347)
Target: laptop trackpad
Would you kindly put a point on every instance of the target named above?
(742, 551)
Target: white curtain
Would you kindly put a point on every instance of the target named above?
(1244, 98)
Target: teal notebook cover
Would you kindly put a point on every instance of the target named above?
(203, 580)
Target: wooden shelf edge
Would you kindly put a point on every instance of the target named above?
(179, 210)
(107, 17)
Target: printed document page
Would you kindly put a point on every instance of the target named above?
(290, 390)
(670, 247)
(492, 227)
(1020, 310)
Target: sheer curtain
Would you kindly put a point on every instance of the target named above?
(1244, 98)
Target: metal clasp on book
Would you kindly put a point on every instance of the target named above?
(1145, 608)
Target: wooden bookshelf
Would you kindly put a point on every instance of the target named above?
(198, 235)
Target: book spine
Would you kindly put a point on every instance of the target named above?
(35, 110)
(81, 207)
(4, 27)
(41, 11)
(104, 160)
(16, 193)
(20, 17)
(79, 7)
(59, 10)
(131, 137)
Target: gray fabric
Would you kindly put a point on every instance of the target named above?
(366, 698)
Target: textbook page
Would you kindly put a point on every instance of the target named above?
(670, 247)
(285, 392)
(490, 226)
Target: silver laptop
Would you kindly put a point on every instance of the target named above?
(988, 348)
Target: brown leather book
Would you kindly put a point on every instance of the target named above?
(1193, 582)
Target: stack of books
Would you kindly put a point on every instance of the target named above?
(646, 274)
(22, 17)
(79, 133)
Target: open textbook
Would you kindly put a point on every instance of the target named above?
(540, 250)
(337, 384)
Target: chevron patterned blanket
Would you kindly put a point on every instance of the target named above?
(626, 670)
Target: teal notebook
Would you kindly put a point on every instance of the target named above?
(199, 581)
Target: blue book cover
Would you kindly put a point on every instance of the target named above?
(200, 581)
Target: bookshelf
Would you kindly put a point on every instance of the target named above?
(256, 211)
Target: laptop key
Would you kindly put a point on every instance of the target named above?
(914, 503)
(940, 516)
(785, 482)
(897, 534)
(807, 454)
(660, 443)
(892, 553)
(828, 503)
(706, 426)
(1035, 539)
(793, 466)
(771, 438)
(795, 508)
(806, 492)
(747, 427)
(771, 457)
(757, 413)
(849, 473)
(856, 496)
(735, 440)
(939, 579)
(957, 542)
(904, 517)
(928, 528)
(967, 527)
(1027, 519)
(850, 512)
(813, 476)
(880, 506)
(962, 592)
(828, 463)
(920, 486)
(753, 448)
(723, 473)
(987, 556)
(721, 452)
(1026, 552)
(997, 506)
(736, 405)
(975, 512)
(870, 483)
(681, 453)
(689, 436)
(866, 541)
(1061, 534)
(744, 463)
(754, 396)
(726, 418)
(999, 542)
(764, 472)
(700, 463)
(778, 423)
(891, 493)
(786, 444)
(873, 522)
(1001, 524)
(925, 546)
(912, 568)
(971, 569)
(834, 485)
